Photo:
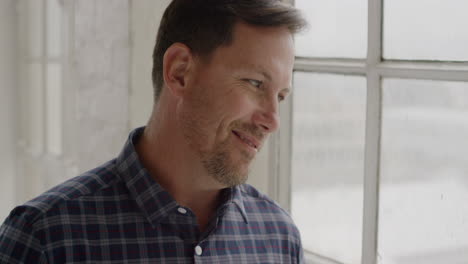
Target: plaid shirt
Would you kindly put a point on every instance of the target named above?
(117, 213)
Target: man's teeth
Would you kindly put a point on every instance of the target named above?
(248, 142)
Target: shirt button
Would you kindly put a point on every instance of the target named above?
(198, 250)
(182, 210)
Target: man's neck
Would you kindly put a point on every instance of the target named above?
(179, 172)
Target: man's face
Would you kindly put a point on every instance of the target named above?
(231, 105)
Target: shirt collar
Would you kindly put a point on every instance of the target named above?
(155, 202)
(237, 199)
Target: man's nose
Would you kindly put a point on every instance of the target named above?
(267, 117)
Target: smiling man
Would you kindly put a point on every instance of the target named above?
(177, 192)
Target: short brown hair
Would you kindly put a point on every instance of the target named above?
(204, 25)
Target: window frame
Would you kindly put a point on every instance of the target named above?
(38, 168)
(374, 68)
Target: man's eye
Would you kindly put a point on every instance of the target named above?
(255, 83)
(281, 98)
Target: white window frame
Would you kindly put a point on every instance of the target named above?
(374, 69)
(39, 168)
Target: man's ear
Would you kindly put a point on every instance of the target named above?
(176, 65)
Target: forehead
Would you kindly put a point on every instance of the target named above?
(266, 49)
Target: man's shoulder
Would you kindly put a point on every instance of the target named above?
(92, 186)
(251, 194)
(260, 204)
(263, 211)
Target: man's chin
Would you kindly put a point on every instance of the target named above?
(232, 182)
(230, 169)
(231, 178)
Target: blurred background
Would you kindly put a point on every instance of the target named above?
(372, 156)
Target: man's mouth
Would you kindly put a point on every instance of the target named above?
(250, 141)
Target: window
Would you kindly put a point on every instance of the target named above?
(374, 134)
(43, 28)
(73, 89)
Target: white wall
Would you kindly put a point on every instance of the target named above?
(100, 69)
(7, 97)
(145, 16)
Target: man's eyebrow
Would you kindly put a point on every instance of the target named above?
(287, 90)
(265, 74)
(268, 77)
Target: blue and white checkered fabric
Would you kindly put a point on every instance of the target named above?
(117, 213)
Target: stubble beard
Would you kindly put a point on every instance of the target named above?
(217, 159)
(222, 168)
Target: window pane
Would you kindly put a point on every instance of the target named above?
(426, 30)
(54, 33)
(423, 213)
(54, 109)
(35, 27)
(327, 163)
(336, 29)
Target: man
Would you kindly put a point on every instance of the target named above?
(176, 192)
